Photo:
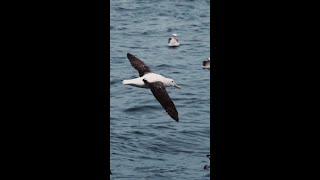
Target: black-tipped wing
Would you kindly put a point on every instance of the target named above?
(169, 40)
(160, 93)
(138, 65)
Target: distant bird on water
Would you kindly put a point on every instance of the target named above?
(155, 82)
(173, 41)
(207, 166)
(206, 64)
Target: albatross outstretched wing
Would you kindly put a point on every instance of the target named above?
(160, 93)
(138, 65)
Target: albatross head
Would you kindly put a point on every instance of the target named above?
(170, 82)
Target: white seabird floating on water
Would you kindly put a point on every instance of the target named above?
(155, 82)
(173, 41)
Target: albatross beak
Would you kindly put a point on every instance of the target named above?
(176, 86)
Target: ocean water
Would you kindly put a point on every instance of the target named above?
(145, 143)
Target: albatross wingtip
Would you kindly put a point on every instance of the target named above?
(176, 119)
(129, 55)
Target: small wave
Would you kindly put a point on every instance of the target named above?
(141, 108)
(162, 14)
(203, 15)
(161, 66)
(116, 81)
(122, 9)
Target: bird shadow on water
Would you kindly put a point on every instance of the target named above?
(173, 47)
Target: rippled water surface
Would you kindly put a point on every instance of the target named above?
(145, 143)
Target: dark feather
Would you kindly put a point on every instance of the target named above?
(138, 65)
(160, 93)
(204, 63)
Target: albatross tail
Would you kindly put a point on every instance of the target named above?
(135, 83)
(126, 82)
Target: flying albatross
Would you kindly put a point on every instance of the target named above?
(155, 82)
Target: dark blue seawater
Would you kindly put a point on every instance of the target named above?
(145, 143)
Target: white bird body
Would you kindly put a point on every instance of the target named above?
(150, 77)
(173, 42)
